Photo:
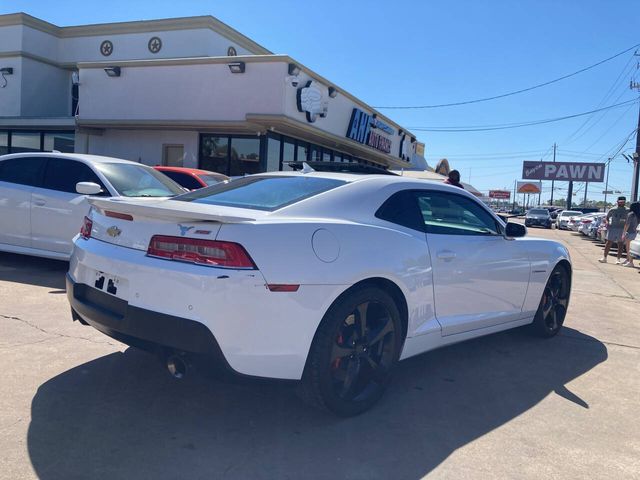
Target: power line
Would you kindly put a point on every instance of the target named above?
(486, 99)
(483, 128)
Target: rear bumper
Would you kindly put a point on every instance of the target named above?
(227, 315)
(137, 326)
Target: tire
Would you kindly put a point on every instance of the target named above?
(552, 310)
(350, 362)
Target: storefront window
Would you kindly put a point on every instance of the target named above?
(288, 154)
(25, 142)
(245, 156)
(273, 154)
(62, 142)
(4, 143)
(303, 154)
(326, 155)
(214, 153)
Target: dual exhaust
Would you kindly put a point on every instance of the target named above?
(177, 365)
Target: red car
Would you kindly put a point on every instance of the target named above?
(192, 178)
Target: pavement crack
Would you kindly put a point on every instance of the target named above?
(605, 342)
(54, 334)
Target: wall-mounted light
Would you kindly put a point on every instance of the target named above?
(400, 132)
(413, 139)
(75, 78)
(5, 71)
(294, 69)
(333, 93)
(236, 67)
(112, 71)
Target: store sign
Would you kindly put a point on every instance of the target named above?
(310, 100)
(529, 187)
(501, 194)
(564, 171)
(362, 129)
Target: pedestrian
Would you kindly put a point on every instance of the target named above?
(615, 220)
(630, 231)
(454, 179)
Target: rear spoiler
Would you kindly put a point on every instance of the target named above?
(166, 210)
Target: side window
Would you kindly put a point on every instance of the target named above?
(402, 209)
(62, 175)
(22, 170)
(450, 214)
(184, 180)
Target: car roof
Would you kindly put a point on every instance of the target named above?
(193, 171)
(83, 157)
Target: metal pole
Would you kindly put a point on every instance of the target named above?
(606, 185)
(586, 186)
(570, 195)
(552, 181)
(514, 195)
(636, 166)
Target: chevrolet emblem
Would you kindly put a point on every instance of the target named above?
(113, 231)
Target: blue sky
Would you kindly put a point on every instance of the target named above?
(425, 52)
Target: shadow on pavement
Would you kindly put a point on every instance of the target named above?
(29, 270)
(121, 416)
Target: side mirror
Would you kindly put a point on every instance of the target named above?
(515, 230)
(88, 188)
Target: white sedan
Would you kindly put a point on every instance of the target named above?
(43, 196)
(328, 278)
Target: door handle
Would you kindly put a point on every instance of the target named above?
(446, 255)
(40, 203)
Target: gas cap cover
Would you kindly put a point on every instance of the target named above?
(325, 245)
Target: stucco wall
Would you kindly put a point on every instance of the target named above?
(46, 90)
(140, 146)
(187, 92)
(11, 94)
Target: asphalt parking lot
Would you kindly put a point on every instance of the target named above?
(76, 404)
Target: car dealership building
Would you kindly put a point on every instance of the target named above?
(187, 92)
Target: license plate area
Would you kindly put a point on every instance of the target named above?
(111, 284)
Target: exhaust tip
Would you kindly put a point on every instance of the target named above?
(176, 367)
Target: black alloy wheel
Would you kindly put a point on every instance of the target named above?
(354, 352)
(554, 303)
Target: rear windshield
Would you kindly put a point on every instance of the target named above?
(131, 180)
(570, 214)
(539, 211)
(261, 193)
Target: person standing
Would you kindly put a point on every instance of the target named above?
(615, 220)
(454, 179)
(630, 231)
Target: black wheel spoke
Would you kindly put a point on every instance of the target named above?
(551, 320)
(353, 370)
(361, 318)
(382, 332)
(340, 352)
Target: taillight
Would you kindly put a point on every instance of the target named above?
(85, 231)
(211, 253)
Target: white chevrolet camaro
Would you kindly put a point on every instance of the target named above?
(327, 278)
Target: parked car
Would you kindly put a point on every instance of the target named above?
(634, 245)
(192, 178)
(594, 226)
(327, 278)
(565, 216)
(43, 196)
(583, 223)
(538, 217)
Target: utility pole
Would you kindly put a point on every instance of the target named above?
(552, 181)
(586, 186)
(606, 185)
(570, 195)
(636, 156)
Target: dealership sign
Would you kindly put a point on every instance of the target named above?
(529, 187)
(567, 171)
(502, 194)
(361, 129)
